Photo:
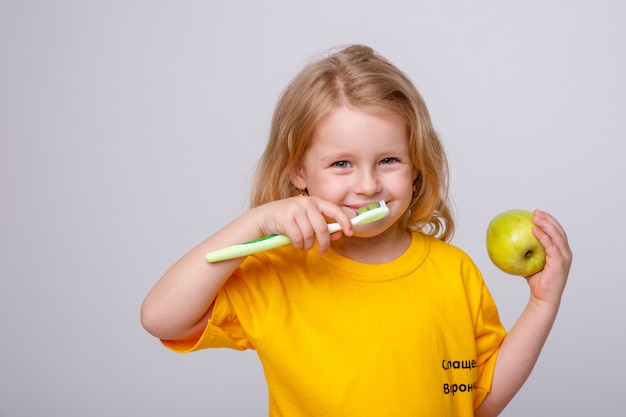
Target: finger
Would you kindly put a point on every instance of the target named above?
(319, 227)
(308, 223)
(552, 228)
(295, 234)
(311, 224)
(331, 213)
(552, 237)
(337, 214)
(292, 220)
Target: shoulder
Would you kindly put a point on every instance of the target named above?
(451, 260)
(438, 247)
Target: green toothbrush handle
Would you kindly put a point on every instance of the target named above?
(254, 246)
(247, 248)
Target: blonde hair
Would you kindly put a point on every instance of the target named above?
(359, 77)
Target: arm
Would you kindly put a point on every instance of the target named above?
(180, 303)
(522, 345)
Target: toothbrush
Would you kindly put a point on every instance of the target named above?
(364, 215)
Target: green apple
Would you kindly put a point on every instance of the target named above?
(511, 245)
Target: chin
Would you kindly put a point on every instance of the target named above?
(375, 229)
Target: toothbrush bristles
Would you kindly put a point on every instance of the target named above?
(369, 207)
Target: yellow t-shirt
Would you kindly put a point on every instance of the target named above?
(414, 337)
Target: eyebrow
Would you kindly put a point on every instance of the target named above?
(340, 154)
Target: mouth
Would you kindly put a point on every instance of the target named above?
(355, 207)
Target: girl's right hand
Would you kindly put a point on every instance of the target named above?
(303, 220)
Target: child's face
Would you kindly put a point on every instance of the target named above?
(356, 158)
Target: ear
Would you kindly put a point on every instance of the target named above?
(416, 174)
(296, 176)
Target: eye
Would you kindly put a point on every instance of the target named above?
(386, 161)
(341, 164)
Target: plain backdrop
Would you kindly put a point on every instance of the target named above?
(129, 131)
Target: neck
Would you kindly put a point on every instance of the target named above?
(378, 249)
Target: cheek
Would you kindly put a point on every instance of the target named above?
(325, 189)
(401, 183)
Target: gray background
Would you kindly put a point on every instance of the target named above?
(129, 130)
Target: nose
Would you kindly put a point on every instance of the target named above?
(368, 183)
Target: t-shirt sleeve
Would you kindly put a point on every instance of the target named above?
(489, 333)
(238, 311)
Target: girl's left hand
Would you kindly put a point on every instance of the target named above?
(548, 284)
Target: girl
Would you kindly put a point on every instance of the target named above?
(382, 319)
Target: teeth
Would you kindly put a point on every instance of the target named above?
(371, 206)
